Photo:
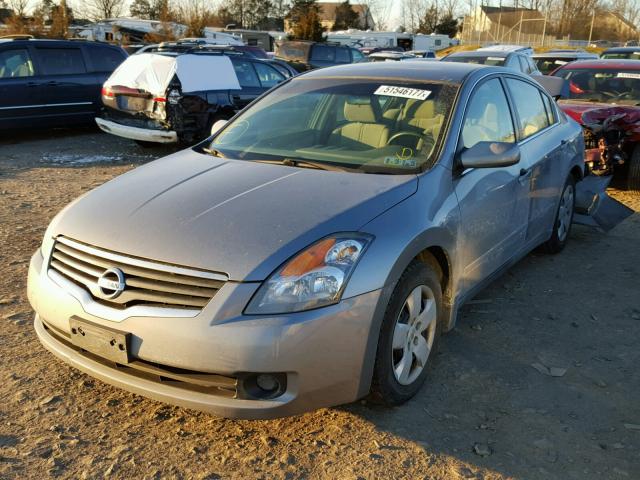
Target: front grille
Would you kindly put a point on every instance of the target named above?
(146, 283)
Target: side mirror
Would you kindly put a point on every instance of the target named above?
(490, 155)
(218, 125)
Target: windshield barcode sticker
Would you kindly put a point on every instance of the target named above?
(495, 59)
(402, 92)
(628, 75)
(560, 62)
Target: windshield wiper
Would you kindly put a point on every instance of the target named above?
(214, 152)
(289, 162)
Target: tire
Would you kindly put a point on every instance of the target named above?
(563, 220)
(633, 175)
(144, 144)
(393, 382)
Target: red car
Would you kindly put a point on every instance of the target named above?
(605, 99)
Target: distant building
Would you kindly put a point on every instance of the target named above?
(328, 16)
(611, 26)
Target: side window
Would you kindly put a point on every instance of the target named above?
(524, 67)
(532, 65)
(104, 59)
(488, 118)
(529, 107)
(342, 55)
(15, 63)
(356, 55)
(246, 74)
(268, 76)
(551, 116)
(61, 61)
(323, 53)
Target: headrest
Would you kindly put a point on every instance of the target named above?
(426, 109)
(355, 111)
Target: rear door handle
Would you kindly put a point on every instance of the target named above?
(32, 84)
(52, 83)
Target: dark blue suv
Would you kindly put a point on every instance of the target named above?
(53, 82)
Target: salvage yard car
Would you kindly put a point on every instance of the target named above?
(551, 60)
(177, 96)
(312, 251)
(605, 99)
(49, 83)
(516, 60)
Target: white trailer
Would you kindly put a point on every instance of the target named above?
(408, 41)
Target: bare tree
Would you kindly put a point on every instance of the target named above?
(101, 9)
(380, 11)
(413, 13)
(19, 7)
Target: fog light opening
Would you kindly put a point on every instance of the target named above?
(261, 386)
(268, 383)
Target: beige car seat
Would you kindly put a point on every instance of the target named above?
(362, 130)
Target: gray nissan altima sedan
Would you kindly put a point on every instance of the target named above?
(311, 251)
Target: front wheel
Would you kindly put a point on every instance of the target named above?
(408, 336)
(563, 220)
(633, 175)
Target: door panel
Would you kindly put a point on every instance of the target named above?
(19, 99)
(541, 149)
(67, 89)
(493, 201)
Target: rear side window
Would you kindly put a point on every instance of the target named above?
(551, 116)
(488, 118)
(61, 61)
(104, 59)
(15, 63)
(357, 55)
(268, 76)
(323, 53)
(529, 107)
(342, 55)
(246, 74)
(524, 67)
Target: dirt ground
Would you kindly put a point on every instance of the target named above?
(490, 409)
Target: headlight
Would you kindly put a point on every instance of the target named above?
(313, 278)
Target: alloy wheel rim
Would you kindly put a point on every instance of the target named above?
(565, 213)
(413, 335)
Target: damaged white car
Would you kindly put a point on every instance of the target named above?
(170, 97)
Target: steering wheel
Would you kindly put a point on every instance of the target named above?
(404, 134)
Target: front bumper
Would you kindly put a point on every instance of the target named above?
(323, 352)
(136, 133)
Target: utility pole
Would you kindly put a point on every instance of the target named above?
(593, 17)
(65, 20)
(520, 26)
(500, 23)
(544, 27)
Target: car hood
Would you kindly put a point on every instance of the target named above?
(624, 117)
(236, 217)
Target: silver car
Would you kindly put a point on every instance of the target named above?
(312, 251)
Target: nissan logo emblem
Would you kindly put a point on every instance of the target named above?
(111, 283)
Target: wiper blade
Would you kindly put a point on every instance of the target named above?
(214, 152)
(289, 162)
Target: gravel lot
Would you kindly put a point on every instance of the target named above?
(490, 410)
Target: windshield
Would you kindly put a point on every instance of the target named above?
(623, 55)
(386, 126)
(480, 60)
(549, 64)
(603, 85)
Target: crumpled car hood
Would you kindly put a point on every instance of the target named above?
(624, 117)
(230, 216)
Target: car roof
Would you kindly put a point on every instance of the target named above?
(451, 72)
(622, 49)
(481, 53)
(566, 54)
(605, 63)
(79, 41)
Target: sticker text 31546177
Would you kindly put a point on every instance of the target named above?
(403, 92)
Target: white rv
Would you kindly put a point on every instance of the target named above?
(407, 41)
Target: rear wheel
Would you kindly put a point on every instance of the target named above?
(564, 218)
(408, 336)
(633, 175)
